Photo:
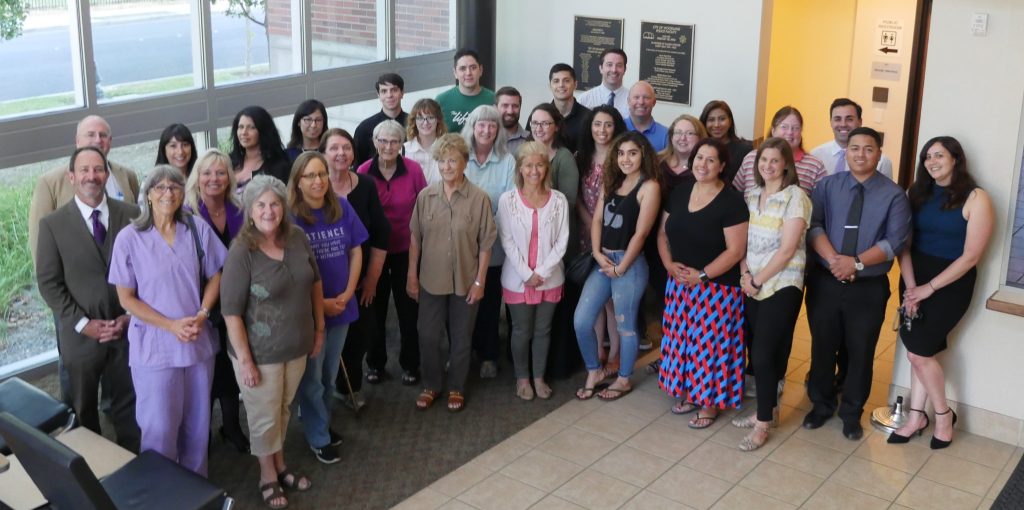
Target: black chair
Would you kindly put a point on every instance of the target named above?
(34, 407)
(149, 481)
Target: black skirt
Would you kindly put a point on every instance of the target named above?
(941, 312)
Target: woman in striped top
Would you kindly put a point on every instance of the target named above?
(787, 124)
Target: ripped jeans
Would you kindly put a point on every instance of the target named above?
(626, 293)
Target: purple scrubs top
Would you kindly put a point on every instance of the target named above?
(167, 279)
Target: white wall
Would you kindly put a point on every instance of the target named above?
(973, 90)
(532, 35)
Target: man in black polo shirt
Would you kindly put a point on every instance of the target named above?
(562, 80)
(390, 89)
(860, 222)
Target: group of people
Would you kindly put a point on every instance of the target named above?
(264, 271)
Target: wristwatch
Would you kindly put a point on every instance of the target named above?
(704, 277)
(857, 264)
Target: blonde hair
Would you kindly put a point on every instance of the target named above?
(193, 196)
(526, 150)
(669, 151)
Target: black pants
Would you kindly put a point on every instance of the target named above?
(392, 283)
(485, 333)
(772, 320)
(359, 333)
(846, 315)
(225, 386)
(109, 361)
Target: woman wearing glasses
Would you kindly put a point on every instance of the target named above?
(398, 180)
(169, 291)
(787, 124)
(425, 126)
(308, 124)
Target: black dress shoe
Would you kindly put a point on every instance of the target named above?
(813, 421)
(852, 430)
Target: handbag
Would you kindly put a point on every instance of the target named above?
(579, 268)
(215, 318)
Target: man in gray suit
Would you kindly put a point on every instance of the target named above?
(72, 260)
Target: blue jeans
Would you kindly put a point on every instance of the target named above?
(626, 292)
(315, 389)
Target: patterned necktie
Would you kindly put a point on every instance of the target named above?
(611, 99)
(853, 221)
(841, 164)
(99, 232)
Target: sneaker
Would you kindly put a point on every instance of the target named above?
(326, 454)
(335, 437)
(488, 370)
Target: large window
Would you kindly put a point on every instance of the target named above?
(39, 46)
(255, 39)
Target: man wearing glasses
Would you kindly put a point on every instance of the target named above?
(459, 101)
(390, 89)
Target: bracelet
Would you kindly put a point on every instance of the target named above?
(933, 287)
(754, 284)
(205, 312)
(615, 270)
(477, 283)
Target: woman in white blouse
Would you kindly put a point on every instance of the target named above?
(425, 125)
(533, 224)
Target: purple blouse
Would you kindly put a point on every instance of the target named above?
(167, 279)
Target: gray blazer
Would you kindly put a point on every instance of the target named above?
(72, 271)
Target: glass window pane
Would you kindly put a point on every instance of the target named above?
(251, 41)
(38, 49)
(423, 26)
(143, 48)
(345, 33)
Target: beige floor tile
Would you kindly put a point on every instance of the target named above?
(998, 484)
(596, 491)
(1015, 458)
(875, 479)
(577, 445)
(795, 396)
(925, 494)
(905, 457)
(647, 500)
(632, 466)
(499, 492)
(612, 424)
(540, 431)
(782, 482)
(986, 504)
(575, 409)
(899, 507)
(959, 473)
(455, 504)
(723, 462)
(740, 497)
(730, 436)
(458, 481)
(663, 441)
(541, 470)
(426, 499)
(832, 496)
(831, 435)
(642, 404)
(808, 457)
(555, 503)
(692, 488)
(680, 424)
(502, 454)
(796, 370)
(981, 450)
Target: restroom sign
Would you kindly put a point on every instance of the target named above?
(888, 38)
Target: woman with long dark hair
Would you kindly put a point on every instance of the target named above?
(952, 221)
(717, 118)
(308, 124)
(256, 147)
(177, 148)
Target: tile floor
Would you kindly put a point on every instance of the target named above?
(634, 454)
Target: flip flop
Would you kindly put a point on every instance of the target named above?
(617, 393)
(702, 422)
(592, 391)
(680, 408)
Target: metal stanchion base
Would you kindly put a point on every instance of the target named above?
(888, 419)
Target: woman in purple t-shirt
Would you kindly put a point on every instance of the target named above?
(335, 235)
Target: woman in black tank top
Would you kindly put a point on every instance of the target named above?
(624, 215)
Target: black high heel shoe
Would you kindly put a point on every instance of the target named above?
(938, 444)
(895, 438)
(239, 441)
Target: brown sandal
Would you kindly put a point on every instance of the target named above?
(456, 401)
(275, 492)
(426, 399)
(293, 480)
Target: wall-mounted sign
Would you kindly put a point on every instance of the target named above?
(891, 71)
(590, 37)
(888, 37)
(666, 60)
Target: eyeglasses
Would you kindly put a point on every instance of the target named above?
(388, 143)
(541, 124)
(792, 128)
(425, 119)
(677, 132)
(162, 189)
(309, 121)
(318, 176)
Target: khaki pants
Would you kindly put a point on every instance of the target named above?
(266, 404)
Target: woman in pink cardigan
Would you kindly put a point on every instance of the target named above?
(533, 225)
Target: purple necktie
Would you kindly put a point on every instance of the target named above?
(99, 232)
(841, 164)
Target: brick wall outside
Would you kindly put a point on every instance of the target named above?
(421, 25)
